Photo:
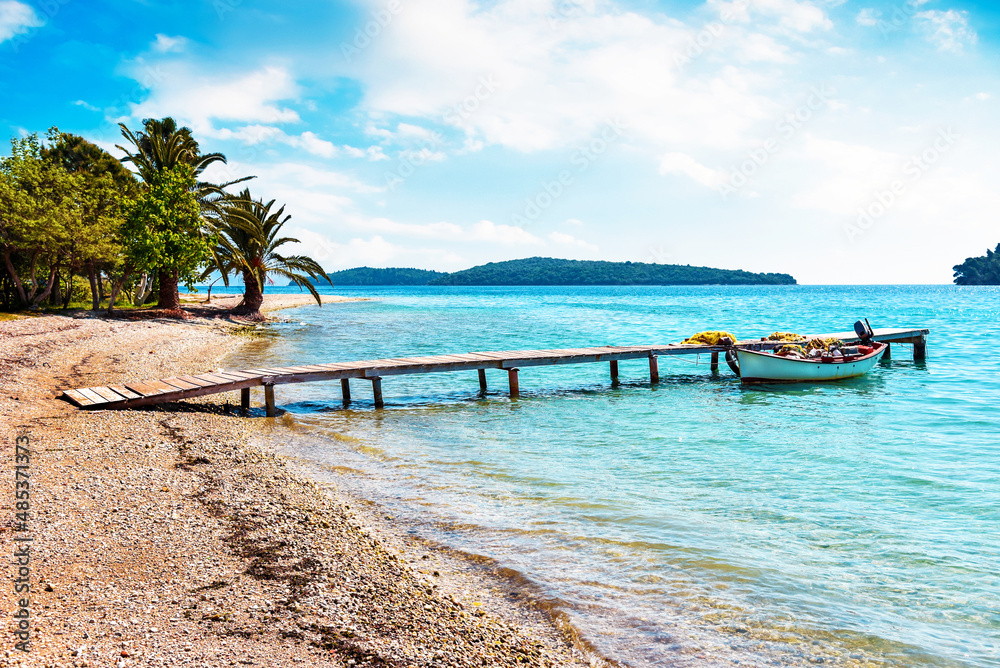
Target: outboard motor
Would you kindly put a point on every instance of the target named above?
(864, 331)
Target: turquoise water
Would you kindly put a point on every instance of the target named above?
(697, 522)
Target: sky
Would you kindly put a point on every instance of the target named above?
(840, 141)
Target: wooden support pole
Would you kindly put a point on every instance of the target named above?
(887, 355)
(245, 398)
(377, 391)
(515, 390)
(715, 362)
(614, 373)
(920, 349)
(654, 370)
(345, 389)
(269, 408)
(482, 380)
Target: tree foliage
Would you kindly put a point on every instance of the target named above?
(36, 208)
(248, 245)
(982, 270)
(163, 226)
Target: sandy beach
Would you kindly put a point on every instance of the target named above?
(174, 536)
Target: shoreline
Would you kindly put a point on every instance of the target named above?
(176, 535)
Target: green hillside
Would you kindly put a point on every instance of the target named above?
(390, 276)
(550, 271)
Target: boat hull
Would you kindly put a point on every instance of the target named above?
(758, 367)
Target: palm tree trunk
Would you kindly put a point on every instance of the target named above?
(170, 298)
(253, 297)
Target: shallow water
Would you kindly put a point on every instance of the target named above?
(697, 522)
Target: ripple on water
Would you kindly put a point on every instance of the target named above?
(700, 522)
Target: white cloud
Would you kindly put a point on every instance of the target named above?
(313, 144)
(375, 252)
(762, 48)
(681, 163)
(840, 173)
(795, 16)
(562, 239)
(553, 88)
(792, 15)
(86, 105)
(868, 17)
(508, 235)
(200, 100)
(948, 31)
(373, 153)
(167, 44)
(17, 18)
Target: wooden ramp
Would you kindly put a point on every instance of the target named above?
(149, 392)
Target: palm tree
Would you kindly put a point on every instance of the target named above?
(248, 243)
(160, 146)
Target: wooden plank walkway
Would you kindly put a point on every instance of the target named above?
(148, 392)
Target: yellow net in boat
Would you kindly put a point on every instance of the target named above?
(824, 344)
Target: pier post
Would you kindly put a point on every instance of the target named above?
(482, 380)
(715, 362)
(654, 370)
(377, 391)
(345, 388)
(269, 408)
(920, 349)
(614, 373)
(887, 355)
(245, 398)
(515, 390)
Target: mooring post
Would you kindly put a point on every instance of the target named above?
(920, 349)
(654, 370)
(614, 373)
(482, 380)
(377, 391)
(345, 389)
(715, 362)
(269, 408)
(245, 398)
(515, 390)
(887, 355)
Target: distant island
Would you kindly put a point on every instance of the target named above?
(552, 271)
(982, 270)
(389, 276)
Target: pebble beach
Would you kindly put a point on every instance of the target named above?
(174, 536)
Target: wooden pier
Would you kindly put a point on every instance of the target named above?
(149, 392)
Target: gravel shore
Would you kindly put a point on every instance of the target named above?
(174, 536)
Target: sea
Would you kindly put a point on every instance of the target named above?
(696, 522)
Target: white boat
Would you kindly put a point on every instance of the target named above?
(766, 367)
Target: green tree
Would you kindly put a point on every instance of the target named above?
(982, 270)
(160, 147)
(100, 200)
(248, 243)
(36, 207)
(163, 232)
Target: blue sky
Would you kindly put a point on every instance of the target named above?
(842, 141)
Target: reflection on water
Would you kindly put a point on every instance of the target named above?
(698, 522)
